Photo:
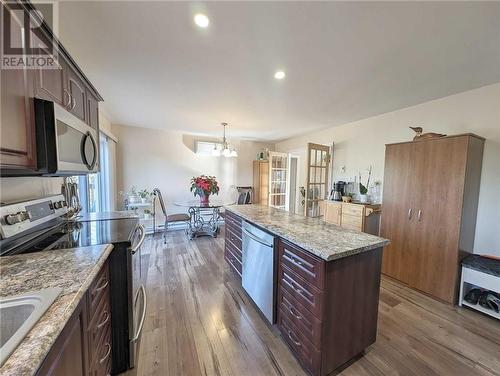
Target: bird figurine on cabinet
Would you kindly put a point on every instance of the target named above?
(424, 136)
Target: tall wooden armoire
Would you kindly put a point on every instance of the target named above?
(431, 192)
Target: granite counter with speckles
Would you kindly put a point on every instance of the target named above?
(72, 270)
(325, 240)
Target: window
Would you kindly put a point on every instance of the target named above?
(94, 189)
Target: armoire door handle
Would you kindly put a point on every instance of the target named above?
(409, 213)
(419, 215)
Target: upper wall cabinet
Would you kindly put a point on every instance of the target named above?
(66, 85)
(17, 140)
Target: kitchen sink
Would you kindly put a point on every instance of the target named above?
(18, 314)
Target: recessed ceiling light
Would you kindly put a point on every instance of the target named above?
(201, 20)
(279, 75)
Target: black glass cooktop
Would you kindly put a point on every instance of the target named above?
(78, 234)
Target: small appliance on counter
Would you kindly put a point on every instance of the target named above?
(338, 191)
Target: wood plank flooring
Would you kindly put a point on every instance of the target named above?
(200, 322)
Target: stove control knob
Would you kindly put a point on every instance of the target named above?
(58, 204)
(12, 219)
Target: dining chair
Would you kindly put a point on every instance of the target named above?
(170, 218)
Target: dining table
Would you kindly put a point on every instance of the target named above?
(204, 217)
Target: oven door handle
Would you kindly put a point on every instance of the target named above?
(141, 240)
(143, 317)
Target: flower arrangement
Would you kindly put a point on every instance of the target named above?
(204, 186)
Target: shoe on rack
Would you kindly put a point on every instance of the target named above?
(492, 301)
(472, 296)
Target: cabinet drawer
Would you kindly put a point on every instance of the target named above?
(352, 220)
(235, 251)
(99, 326)
(98, 288)
(233, 261)
(295, 312)
(234, 238)
(307, 295)
(302, 263)
(353, 209)
(101, 365)
(307, 355)
(233, 220)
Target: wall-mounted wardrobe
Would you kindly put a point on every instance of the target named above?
(431, 192)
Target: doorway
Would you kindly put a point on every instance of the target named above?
(292, 197)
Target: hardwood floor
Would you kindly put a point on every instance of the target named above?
(200, 322)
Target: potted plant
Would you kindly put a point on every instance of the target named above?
(132, 195)
(363, 189)
(204, 186)
(144, 194)
(147, 213)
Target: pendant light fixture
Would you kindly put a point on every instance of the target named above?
(227, 150)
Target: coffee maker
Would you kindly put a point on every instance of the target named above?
(338, 191)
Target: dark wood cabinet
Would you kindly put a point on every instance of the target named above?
(77, 91)
(92, 110)
(233, 242)
(431, 192)
(17, 127)
(66, 86)
(50, 84)
(84, 345)
(327, 311)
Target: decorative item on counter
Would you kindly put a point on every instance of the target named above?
(204, 186)
(363, 189)
(147, 213)
(302, 191)
(424, 136)
(347, 197)
(144, 195)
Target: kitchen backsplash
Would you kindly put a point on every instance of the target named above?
(16, 189)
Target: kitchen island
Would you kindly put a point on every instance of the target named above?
(326, 283)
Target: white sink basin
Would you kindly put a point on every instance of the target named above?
(18, 314)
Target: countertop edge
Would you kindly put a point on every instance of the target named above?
(12, 364)
(347, 253)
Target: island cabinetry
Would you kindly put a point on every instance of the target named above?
(327, 310)
(233, 244)
(84, 345)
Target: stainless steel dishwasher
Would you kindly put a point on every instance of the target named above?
(258, 268)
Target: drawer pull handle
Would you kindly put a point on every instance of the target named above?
(96, 290)
(107, 354)
(99, 326)
(296, 342)
(296, 261)
(294, 313)
(298, 290)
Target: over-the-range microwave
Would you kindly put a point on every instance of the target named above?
(65, 144)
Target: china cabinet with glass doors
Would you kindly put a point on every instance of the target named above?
(318, 161)
(272, 180)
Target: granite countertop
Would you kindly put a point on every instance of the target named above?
(103, 216)
(72, 270)
(322, 239)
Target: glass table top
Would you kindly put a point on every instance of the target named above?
(213, 203)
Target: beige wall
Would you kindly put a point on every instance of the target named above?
(154, 158)
(361, 143)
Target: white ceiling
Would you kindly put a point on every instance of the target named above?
(344, 61)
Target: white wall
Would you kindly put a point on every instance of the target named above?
(362, 143)
(151, 158)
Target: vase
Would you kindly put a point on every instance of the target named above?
(363, 199)
(204, 198)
